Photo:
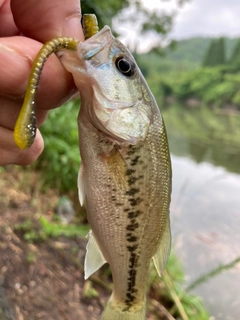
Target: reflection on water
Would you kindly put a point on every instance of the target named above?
(213, 152)
(205, 214)
(204, 135)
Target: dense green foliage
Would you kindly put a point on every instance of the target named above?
(216, 86)
(60, 159)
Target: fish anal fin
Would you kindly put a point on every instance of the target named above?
(81, 184)
(94, 258)
(161, 257)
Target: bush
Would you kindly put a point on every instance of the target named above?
(59, 162)
(196, 83)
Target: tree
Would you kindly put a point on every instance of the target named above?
(220, 57)
(215, 54)
(235, 58)
(208, 59)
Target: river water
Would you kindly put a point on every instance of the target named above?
(205, 219)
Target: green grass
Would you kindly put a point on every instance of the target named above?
(46, 229)
(169, 288)
(205, 277)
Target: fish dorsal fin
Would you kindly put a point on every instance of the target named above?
(81, 184)
(94, 258)
(161, 257)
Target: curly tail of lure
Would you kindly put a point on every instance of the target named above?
(90, 25)
(26, 125)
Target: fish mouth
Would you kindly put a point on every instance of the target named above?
(96, 43)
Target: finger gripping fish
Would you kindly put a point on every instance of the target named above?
(125, 175)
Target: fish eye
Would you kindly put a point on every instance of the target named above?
(125, 66)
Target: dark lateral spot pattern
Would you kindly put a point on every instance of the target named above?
(131, 180)
(131, 290)
(132, 191)
(132, 248)
(132, 212)
(135, 161)
(130, 171)
(132, 226)
(131, 238)
(131, 150)
(135, 201)
(132, 260)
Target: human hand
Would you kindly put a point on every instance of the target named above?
(24, 27)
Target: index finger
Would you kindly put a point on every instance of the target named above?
(44, 20)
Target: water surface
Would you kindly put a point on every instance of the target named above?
(205, 212)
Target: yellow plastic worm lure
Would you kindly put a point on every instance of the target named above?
(90, 25)
(26, 125)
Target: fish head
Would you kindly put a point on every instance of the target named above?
(113, 92)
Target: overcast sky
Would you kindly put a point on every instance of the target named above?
(195, 18)
(207, 18)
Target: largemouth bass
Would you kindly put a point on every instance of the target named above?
(125, 174)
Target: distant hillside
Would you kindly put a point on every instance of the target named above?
(194, 49)
(187, 55)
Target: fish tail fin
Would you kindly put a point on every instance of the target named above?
(112, 312)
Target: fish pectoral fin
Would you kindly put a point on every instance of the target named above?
(161, 257)
(117, 168)
(94, 258)
(81, 184)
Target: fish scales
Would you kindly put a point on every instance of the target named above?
(125, 176)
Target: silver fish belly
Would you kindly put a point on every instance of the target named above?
(125, 174)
